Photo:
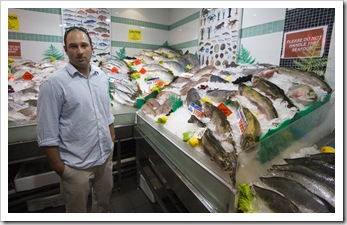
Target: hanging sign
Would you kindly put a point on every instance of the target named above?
(297, 43)
(13, 23)
(134, 35)
(14, 49)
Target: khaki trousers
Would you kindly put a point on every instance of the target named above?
(76, 185)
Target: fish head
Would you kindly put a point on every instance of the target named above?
(302, 93)
(248, 143)
(255, 81)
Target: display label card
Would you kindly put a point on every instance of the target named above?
(200, 132)
(195, 109)
(241, 120)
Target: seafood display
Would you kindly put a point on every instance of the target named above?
(294, 186)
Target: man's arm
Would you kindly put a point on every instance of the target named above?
(54, 159)
(113, 134)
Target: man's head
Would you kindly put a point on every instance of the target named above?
(78, 46)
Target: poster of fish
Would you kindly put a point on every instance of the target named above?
(98, 23)
(219, 36)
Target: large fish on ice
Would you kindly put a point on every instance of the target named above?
(304, 199)
(227, 161)
(271, 90)
(274, 201)
(263, 103)
(305, 77)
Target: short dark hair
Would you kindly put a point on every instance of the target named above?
(68, 29)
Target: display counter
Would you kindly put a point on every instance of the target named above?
(211, 186)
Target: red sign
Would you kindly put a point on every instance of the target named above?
(14, 49)
(297, 43)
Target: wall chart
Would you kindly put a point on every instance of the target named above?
(219, 36)
(98, 23)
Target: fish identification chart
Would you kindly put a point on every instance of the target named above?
(219, 36)
(98, 23)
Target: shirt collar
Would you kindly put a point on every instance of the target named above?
(74, 72)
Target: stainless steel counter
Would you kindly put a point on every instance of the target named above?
(211, 186)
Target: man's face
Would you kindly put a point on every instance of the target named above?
(78, 49)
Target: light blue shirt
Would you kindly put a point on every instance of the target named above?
(74, 113)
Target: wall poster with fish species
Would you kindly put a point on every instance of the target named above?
(98, 23)
(219, 36)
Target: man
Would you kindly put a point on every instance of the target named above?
(75, 126)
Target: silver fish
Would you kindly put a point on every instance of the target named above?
(175, 67)
(193, 119)
(274, 201)
(316, 187)
(305, 200)
(319, 175)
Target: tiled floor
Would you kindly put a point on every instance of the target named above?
(126, 198)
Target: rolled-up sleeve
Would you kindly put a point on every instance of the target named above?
(49, 106)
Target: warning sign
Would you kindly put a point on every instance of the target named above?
(13, 23)
(296, 43)
(14, 49)
(134, 35)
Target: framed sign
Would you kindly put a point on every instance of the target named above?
(296, 43)
(14, 49)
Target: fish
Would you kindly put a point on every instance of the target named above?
(206, 70)
(262, 102)
(217, 79)
(217, 117)
(313, 164)
(193, 119)
(164, 108)
(175, 67)
(251, 134)
(324, 191)
(271, 90)
(274, 201)
(122, 98)
(305, 77)
(193, 97)
(164, 76)
(102, 30)
(302, 93)
(150, 67)
(304, 199)
(319, 175)
(192, 59)
(325, 157)
(213, 148)
(89, 21)
(218, 95)
(168, 51)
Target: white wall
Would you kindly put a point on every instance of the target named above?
(37, 23)
(264, 48)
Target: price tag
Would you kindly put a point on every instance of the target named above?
(200, 132)
(195, 109)
(152, 81)
(241, 120)
(227, 112)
